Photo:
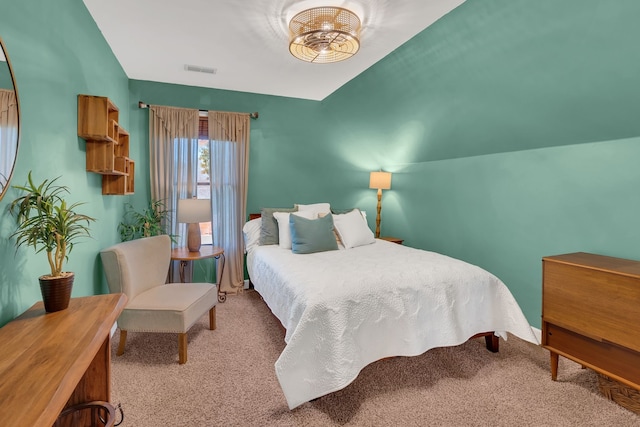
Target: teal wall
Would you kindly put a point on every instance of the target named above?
(5, 76)
(513, 131)
(57, 52)
(511, 127)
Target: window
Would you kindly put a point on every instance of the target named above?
(204, 183)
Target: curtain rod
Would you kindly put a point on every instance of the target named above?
(253, 115)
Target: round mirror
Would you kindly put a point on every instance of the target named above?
(9, 120)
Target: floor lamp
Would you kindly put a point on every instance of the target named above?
(381, 181)
(193, 212)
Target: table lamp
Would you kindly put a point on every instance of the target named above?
(381, 181)
(193, 212)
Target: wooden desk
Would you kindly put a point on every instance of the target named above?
(49, 361)
(206, 251)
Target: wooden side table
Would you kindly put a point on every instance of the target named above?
(392, 239)
(206, 251)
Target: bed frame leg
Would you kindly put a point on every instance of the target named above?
(493, 343)
(491, 340)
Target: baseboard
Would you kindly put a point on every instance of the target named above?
(246, 283)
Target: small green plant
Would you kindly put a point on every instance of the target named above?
(47, 223)
(150, 222)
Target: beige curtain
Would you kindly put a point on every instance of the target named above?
(8, 134)
(173, 159)
(229, 170)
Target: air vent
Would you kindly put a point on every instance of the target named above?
(199, 69)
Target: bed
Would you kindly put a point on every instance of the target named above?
(344, 309)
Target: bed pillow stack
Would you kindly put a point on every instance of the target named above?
(309, 228)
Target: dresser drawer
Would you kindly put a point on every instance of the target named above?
(600, 355)
(597, 302)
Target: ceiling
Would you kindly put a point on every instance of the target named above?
(246, 41)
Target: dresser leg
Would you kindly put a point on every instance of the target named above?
(554, 365)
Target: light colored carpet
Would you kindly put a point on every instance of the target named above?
(229, 380)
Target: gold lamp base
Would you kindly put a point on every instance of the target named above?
(378, 216)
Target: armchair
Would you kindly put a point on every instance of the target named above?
(139, 268)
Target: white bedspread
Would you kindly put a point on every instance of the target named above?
(347, 308)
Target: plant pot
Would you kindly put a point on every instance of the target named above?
(56, 291)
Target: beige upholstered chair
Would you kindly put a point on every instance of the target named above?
(139, 269)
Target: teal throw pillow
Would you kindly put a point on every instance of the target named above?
(312, 235)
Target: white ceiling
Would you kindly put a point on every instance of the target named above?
(246, 41)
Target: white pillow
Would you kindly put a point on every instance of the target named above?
(284, 231)
(353, 231)
(251, 233)
(318, 208)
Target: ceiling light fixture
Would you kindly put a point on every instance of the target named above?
(324, 34)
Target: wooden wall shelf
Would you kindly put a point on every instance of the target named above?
(107, 144)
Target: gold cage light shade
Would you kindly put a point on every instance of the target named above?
(324, 34)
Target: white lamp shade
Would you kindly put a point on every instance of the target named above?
(194, 210)
(380, 180)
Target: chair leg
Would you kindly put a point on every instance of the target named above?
(212, 318)
(182, 348)
(123, 340)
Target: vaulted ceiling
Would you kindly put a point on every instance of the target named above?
(246, 42)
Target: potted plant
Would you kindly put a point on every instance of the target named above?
(47, 223)
(150, 222)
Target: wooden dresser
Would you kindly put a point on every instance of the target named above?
(50, 361)
(591, 314)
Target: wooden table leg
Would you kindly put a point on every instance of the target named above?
(183, 264)
(222, 296)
